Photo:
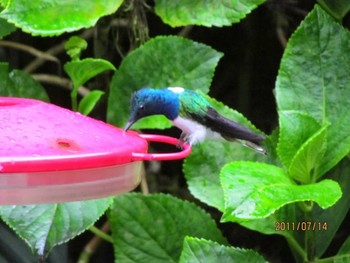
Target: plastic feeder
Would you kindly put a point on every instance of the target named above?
(49, 154)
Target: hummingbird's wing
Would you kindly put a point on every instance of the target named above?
(197, 108)
(229, 129)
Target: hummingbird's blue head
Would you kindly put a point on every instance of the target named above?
(148, 101)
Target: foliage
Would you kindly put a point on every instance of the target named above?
(45, 226)
(135, 227)
(299, 191)
(201, 250)
(208, 13)
(17, 83)
(338, 9)
(36, 17)
(80, 71)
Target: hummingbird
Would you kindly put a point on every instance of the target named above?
(193, 114)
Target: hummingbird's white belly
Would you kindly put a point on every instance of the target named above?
(196, 131)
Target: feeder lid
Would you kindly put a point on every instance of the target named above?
(37, 136)
(45, 145)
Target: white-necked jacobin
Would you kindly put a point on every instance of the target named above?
(192, 113)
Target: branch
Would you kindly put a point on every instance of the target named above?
(32, 66)
(144, 184)
(94, 243)
(185, 31)
(35, 52)
(59, 81)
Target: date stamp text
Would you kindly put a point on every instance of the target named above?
(301, 226)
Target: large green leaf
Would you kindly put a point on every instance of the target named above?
(13, 248)
(311, 81)
(204, 12)
(3, 3)
(88, 103)
(54, 17)
(6, 28)
(80, 71)
(295, 129)
(203, 166)
(302, 144)
(333, 216)
(45, 226)
(17, 83)
(256, 190)
(161, 62)
(343, 254)
(271, 225)
(152, 228)
(200, 250)
(337, 8)
(304, 165)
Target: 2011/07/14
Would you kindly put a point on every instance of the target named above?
(302, 226)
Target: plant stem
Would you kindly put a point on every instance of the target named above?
(309, 237)
(59, 81)
(144, 184)
(32, 66)
(74, 98)
(93, 244)
(101, 234)
(35, 52)
(305, 207)
(340, 258)
(294, 244)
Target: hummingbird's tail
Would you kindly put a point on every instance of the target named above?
(254, 146)
(233, 131)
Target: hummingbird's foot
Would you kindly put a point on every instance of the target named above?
(182, 140)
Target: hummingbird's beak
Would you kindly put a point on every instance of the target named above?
(129, 124)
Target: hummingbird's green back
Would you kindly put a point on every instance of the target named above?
(192, 104)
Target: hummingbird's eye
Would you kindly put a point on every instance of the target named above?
(141, 110)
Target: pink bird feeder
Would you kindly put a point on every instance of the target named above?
(49, 154)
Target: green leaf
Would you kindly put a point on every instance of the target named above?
(45, 226)
(337, 8)
(88, 103)
(202, 167)
(333, 216)
(151, 228)
(302, 144)
(14, 249)
(200, 250)
(256, 190)
(4, 3)
(6, 28)
(204, 13)
(345, 248)
(305, 162)
(80, 71)
(314, 53)
(271, 225)
(152, 122)
(47, 17)
(161, 62)
(74, 46)
(19, 84)
(201, 170)
(295, 129)
(83, 70)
